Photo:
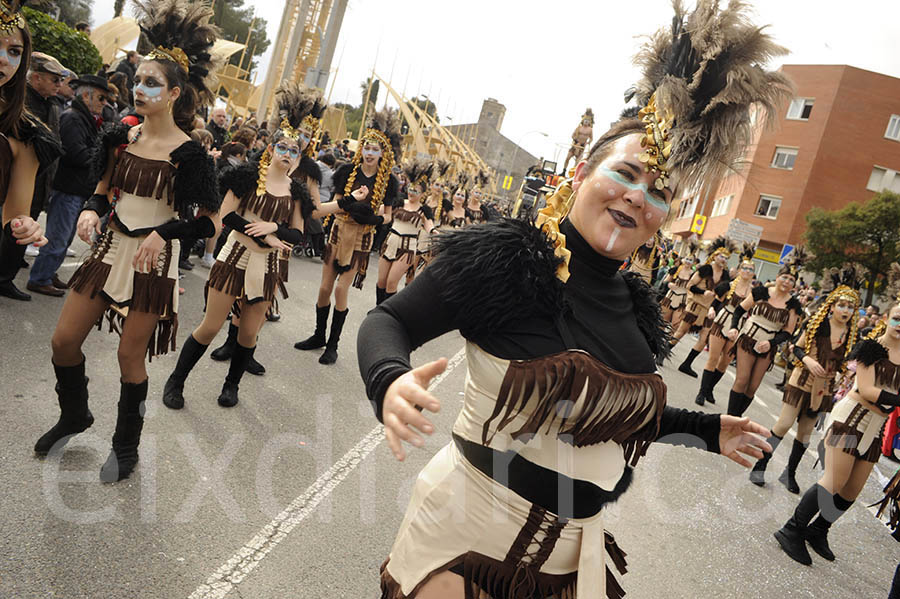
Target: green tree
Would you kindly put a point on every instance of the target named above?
(235, 20)
(69, 12)
(373, 96)
(118, 7)
(427, 106)
(867, 235)
(74, 50)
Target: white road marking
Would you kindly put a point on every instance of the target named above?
(248, 557)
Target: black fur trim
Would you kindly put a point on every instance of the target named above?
(47, 146)
(195, 180)
(722, 288)
(240, 179)
(649, 318)
(300, 193)
(795, 305)
(868, 352)
(427, 212)
(760, 293)
(112, 135)
(496, 273)
(310, 168)
(705, 271)
(341, 174)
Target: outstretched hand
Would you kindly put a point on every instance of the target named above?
(399, 411)
(742, 436)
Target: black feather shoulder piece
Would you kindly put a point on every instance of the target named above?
(47, 147)
(656, 331)
(496, 273)
(300, 193)
(195, 180)
(340, 177)
(705, 271)
(795, 305)
(310, 169)
(760, 293)
(868, 352)
(240, 179)
(111, 136)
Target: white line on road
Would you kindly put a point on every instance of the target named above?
(248, 557)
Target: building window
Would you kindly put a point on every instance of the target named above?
(784, 158)
(893, 129)
(721, 206)
(884, 179)
(800, 109)
(688, 205)
(768, 206)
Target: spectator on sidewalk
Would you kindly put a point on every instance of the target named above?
(216, 126)
(128, 66)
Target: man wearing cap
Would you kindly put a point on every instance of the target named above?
(73, 183)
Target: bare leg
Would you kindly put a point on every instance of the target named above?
(252, 318)
(326, 287)
(857, 479)
(786, 419)
(398, 269)
(445, 585)
(384, 269)
(701, 339)
(716, 345)
(838, 467)
(342, 290)
(760, 367)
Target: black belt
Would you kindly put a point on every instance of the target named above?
(555, 492)
(124, 230)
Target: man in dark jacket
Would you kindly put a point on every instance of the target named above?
(216, 126)
(73, 184)
(128, 66)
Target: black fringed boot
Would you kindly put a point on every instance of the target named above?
(717, 376)
(173, 391)
(706, 382)
(788, 477)
(223, 352)
(758, 474)
(337, 325)
(738, 403)
(792, 536)
(228, 398)
(317, 339)
(817, 532)
(685, 366)
(129, 424)
(74, 415)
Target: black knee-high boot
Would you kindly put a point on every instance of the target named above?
(223, 352)
(329, 356)
(74, 415)
(833, 507)
(379, 295)
(757, 475)
(317, 339)
(228, 398)
(706, 383)
(129, 424)
(388, 295)
(788, 477)
(792, 536)
(173, 391)
(738, 403)
(717, 376)
(685, 366)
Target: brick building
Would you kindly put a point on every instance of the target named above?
(838, 142)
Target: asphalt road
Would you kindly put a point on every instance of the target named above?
(293, 493)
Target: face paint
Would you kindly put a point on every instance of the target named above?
(371, 153)
(13, 61)
(153, 93)
(894, 322)
(612, 239)
(648, 198)
(304, 139)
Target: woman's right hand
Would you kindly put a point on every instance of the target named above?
(359, 194)
(813, 366)
(88, 223)
(708, 293)
(671, 285)
(399, 413)
(276, 243)
(732, 335)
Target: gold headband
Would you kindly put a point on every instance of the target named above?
(656, 143)
(289, 131)
(378, 137)
(175, 55)
(10, 20)
(310, 122)
(843, 292)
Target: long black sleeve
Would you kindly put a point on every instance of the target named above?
(690, 429)
(237, 222)
(736, 318)
(197, 228)
(697, 289)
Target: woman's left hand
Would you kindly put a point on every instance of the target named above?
(148, 253)
(260, 229)
(711, 313)
(742, 436)
(26, 230)
(762, 347)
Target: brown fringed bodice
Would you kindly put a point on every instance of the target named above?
(413, 217)
(267, 207)
(776, 315)
(887, 375)
(455, 223)
(734, 301)
(144, 177)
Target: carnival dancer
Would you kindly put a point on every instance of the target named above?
(702, 286)
(581, 139)
(476, 210)
(852, 443)
(645, 260)
(398, 256)
(677, 281)
(362, 189)
(821, 353)
(772, 316)
(437, 204)
(562, 392)
(154, 179)
(26, 145)
(728, 297)
(265, 209)
(457, 216)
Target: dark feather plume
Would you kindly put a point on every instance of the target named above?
(296, 101)
(748, 251)
(416, 168)
(387, 121)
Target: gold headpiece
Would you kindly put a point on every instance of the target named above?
(378, 137)
(287, 130)
(10, 18)
(548, 219)
(174, 54)
(656, 143)
(312, 123)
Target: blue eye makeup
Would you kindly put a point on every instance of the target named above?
(894, 322)
(282, 149)
(149, 91)
(648, 197)
(14, 57)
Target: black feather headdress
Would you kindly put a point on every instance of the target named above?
(701, 78)
(441, 168)
(481, 179)
(748, 251)
(418, 172)
(296, 102)
(794, 261)
(383, 127)
(720, 245)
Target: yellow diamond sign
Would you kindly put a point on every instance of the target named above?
(699, 224)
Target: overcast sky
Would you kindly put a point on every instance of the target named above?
(548, 61)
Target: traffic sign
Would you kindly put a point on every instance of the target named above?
(766, 255)
(787, 249)
(699, 224)
(743, 232)
(507, 182)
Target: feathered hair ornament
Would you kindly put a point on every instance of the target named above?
(10, 17)
(418, 172)
(721, 245)
(701, 77)
(480, 180)
(180, 31)
(441, 168)
(383, 129)
(300, 107)
(588, 116)
(462, 181)
(747, 252)
(794, 262)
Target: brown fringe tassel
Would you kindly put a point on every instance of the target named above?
(747, 343)
(716, 331)
(689, 318)
(227, 278)
(795, 397)
(665, 303)
(887, 374)
(267, 207)
(144, 177)
(162, 341)
(616, 406)
(360, 263)
(152, 294)
(767, 311)
(90, 277)
(406, 216)
(846, 437)
(891, 502)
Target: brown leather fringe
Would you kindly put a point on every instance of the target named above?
(795, 397)
(360, 263)
(689, 317)
(267, 207)
(617, 406)
(227, 278)
(846, 437)
(162, 341)
(747, 343)
(776, 315)
(406, 216)
(152, 294)
(665, 303)
(144, 177)
(887, 374)
(716, 331)
(90, 277)
(891, 502)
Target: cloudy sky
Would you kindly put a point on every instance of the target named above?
(548, 61)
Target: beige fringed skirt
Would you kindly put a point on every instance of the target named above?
(348, 247)
(855, 430)
(247, 273)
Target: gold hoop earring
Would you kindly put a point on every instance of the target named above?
(169, 106)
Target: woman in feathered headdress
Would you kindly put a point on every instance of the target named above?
(771, 318)
(265, 208)
(158, 186)
(698, 315)
(436, 203)
(26, 145)
(675, 300)
(475, 210)
(399, 251)
(646, 259)
(562, 395)
(456, 216)
(362, 189)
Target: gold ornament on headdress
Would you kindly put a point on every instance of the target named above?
(264, 161)
(175, 55)
(842, 292)
(385, 164)
(655, 141)
(378, 137)
(548, 219)
(310, 123)
(288, 131)
(10, 19)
